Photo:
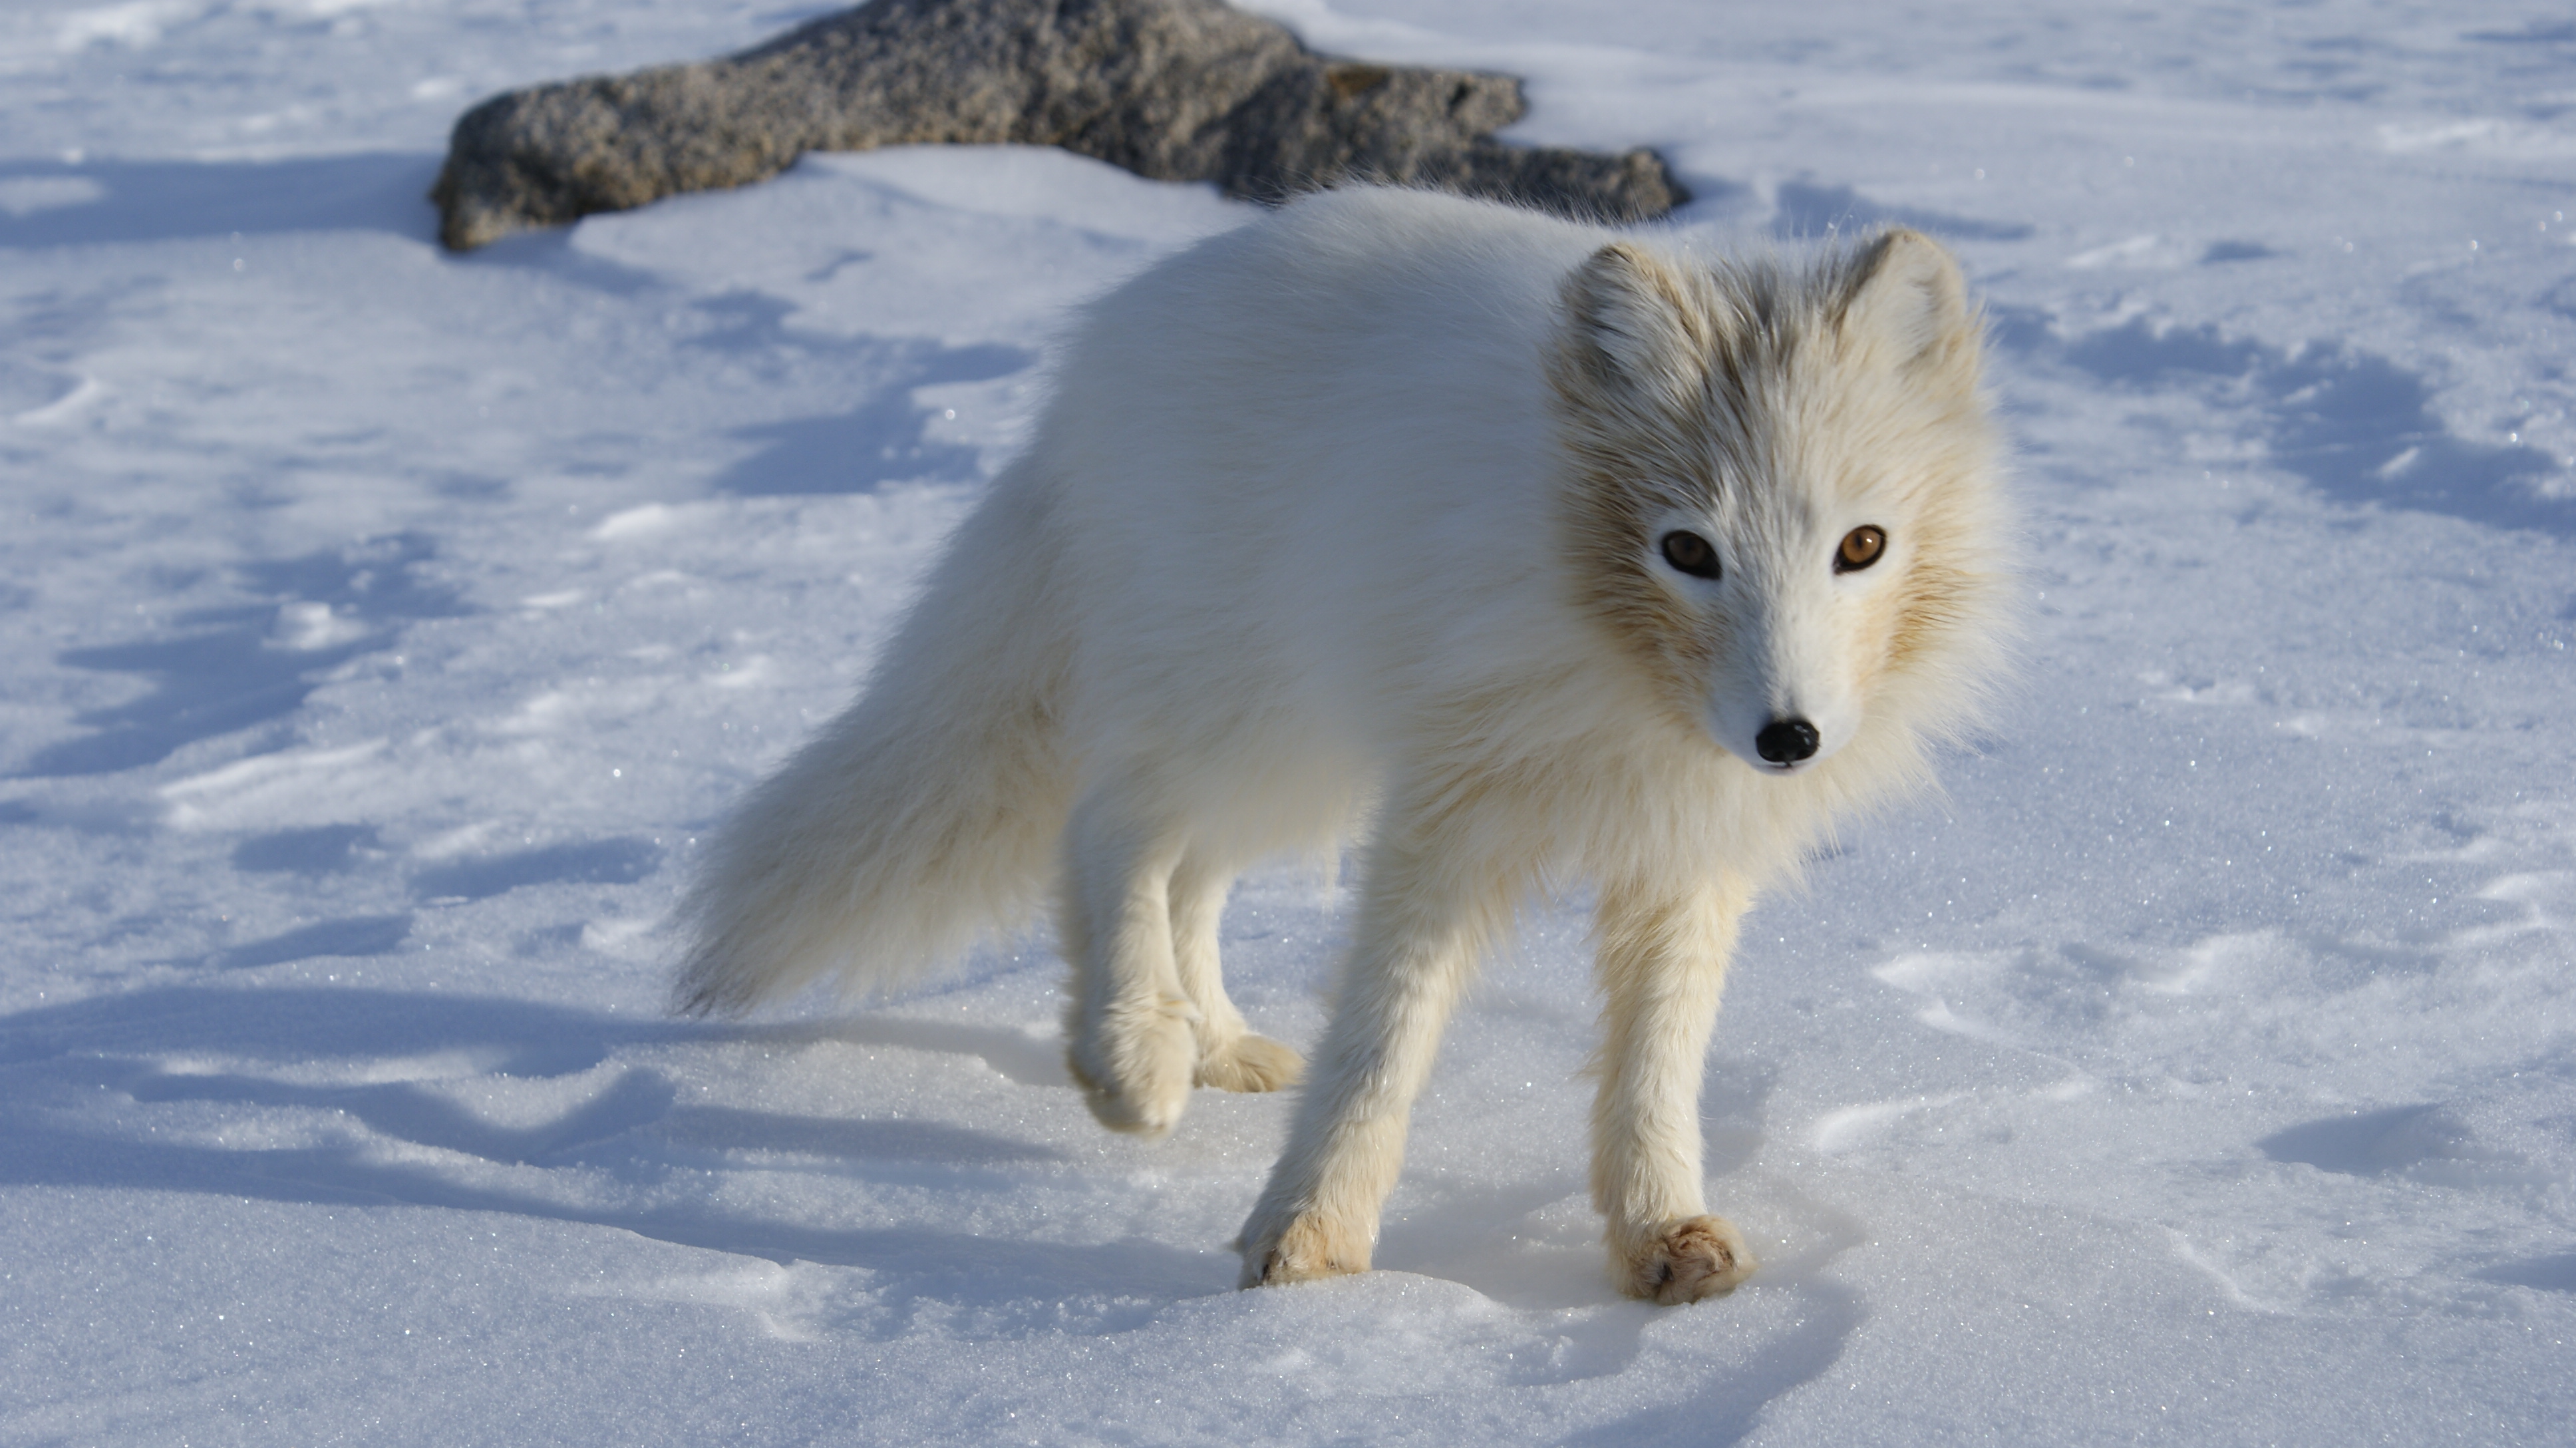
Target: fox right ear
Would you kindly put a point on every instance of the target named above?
(1630, 326)
(1907, 303)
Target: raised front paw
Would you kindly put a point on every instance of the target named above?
(1250, 1063)
(1681, 1261)
(1303, 1249)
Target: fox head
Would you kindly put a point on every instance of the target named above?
(1781, 497)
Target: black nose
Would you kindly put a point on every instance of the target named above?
(1786, 741)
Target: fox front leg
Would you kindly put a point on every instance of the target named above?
(1425, 917)
(1662, 963)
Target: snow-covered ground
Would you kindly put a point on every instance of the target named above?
(383, 627)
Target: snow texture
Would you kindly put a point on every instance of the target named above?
(384, 628)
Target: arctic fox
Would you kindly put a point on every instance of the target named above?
(1525, 551)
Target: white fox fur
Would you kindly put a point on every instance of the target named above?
(1361, 519)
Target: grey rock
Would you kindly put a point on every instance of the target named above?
(1175, 90)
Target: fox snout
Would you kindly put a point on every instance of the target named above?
(1785, 700)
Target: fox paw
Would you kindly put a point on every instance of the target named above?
(1306, 1249)
(1683, 1261)
(1251, 1063)
(1136, 1079)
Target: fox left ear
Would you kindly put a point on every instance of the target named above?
(1907, 304)
(1631, 328)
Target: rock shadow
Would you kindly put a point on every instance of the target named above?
(554, 254)
(234, 668)
(85, 203)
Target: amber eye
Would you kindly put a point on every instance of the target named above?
(1691, 553)
(1861, 547)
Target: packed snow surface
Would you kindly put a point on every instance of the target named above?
(385, 629)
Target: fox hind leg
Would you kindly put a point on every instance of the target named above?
(1132, 1031)
(1230, 1056)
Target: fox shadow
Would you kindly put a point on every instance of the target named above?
(635, 1128)
(1726, 1405)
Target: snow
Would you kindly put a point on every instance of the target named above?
(385, 628)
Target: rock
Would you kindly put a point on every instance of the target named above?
(1176, 90)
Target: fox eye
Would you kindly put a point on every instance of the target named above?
(1691, 553)
(1861, 547)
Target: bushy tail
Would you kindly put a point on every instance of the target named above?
(927, 814)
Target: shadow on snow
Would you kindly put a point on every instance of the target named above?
(236, 667)
(125, 201)
(589, 862)
(633, 1128)
(880, 441)
(2357, 426)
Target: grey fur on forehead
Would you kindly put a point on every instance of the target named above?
(1173, 90)
(1685, 356)
(1777, 291)
(1749, 312)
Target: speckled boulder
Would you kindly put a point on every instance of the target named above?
(1177, 90)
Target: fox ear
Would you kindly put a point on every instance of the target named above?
(1907, 304)
(1630, 326)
